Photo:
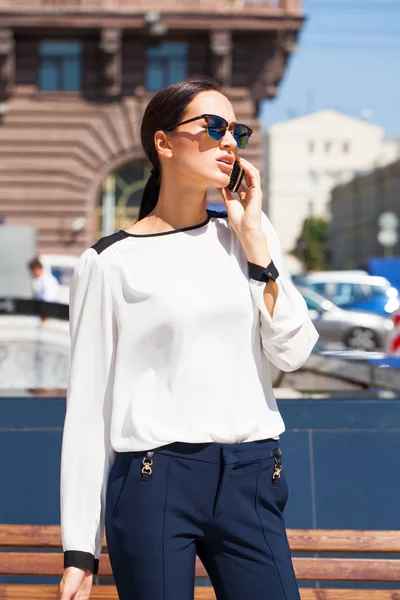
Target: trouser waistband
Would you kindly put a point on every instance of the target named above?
(214, 452)
(227, 456)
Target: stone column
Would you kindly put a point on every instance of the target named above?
(266, 86)
(7, 63)
(111, 47)
(221, 49)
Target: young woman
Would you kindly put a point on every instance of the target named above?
(171, 432)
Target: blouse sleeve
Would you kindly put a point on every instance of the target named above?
(289, 336)
(87, 455)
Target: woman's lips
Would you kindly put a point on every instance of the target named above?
(225, 165)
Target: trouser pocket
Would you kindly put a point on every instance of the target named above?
(139, 465)
(272, 488)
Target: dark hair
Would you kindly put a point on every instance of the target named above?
(164, 111)
(35, 264)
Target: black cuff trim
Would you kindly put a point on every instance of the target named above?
(263, 273)
(82, 560)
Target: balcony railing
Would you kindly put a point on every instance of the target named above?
(247, 6)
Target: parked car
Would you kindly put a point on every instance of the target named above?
(354, 290)
(357, 330)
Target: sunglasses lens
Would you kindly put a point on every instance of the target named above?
(241, 135)
(216, 128)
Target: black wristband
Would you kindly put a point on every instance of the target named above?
(82, 560)
(263, 273)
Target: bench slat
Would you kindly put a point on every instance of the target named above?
(30, 536)
(331, 540)
(332, 594)
(346, 569)
(301, 540)
(307, 569)
(48, 592)
(40, 563)
(51, 564)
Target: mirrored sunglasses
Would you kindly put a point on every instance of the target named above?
(217, 128)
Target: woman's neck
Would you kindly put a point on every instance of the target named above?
(179, 205)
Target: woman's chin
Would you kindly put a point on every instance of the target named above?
(219, 181)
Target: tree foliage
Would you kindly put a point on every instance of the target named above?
(311, 245)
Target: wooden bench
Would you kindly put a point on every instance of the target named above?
(45, 562)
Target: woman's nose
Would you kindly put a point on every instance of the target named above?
(228, 141)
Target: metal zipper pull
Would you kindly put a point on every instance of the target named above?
(276, 475)
(147, 463)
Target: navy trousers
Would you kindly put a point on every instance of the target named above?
(223, 502)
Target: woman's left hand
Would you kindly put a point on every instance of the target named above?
(244, 213)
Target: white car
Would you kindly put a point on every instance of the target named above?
(62, 267)
(353, 329)
(354, 290)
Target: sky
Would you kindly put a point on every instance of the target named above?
(348, 59)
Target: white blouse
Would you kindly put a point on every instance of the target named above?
(171, 341)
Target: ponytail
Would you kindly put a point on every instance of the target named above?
(150, 194)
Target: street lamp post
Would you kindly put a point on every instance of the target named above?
(108, 216)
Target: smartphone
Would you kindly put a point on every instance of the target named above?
(236, 178)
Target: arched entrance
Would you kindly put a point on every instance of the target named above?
(121, 195)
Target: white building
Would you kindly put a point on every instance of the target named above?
(306, 157)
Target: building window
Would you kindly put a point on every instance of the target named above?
(328, 147)
(60, 66)
(346, 147)
(311, 147)
(122, 194)
(314, 177)
(166, 64)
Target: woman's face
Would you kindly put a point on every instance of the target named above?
(193, 153)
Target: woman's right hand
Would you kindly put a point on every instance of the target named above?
(76, 584)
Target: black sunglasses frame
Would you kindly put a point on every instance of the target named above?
(228, 127)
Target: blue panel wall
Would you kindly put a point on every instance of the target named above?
(341, 458)
(342, 461)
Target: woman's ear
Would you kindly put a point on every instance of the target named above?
(162, 144)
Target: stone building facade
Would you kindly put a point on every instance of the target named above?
(75, 78)
(355, 209)
(306, 157)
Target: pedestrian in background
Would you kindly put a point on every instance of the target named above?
(44, 285)
(171, 437)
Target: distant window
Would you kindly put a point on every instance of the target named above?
(311, 147)
(312, 304)
(320, 288)
(60, 66)
(166, 64)
(334, 176)
(314, 177)
(346, 147)
(328, 147)
(63, 274)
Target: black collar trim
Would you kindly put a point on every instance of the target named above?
(210, 214)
